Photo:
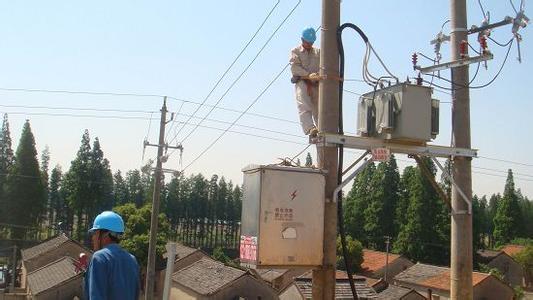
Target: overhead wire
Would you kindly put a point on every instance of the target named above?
(244, 71)
(234, 61)
(50, 91)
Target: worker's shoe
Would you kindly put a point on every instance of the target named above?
(313, 132)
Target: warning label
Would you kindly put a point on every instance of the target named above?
(248, 248)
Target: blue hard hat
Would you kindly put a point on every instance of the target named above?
(309, 35)
(108, 220)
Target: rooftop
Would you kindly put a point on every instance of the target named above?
(271, 274)
(44, 247)
(342, 289)
(433, 276)
(512, 249)
(394, 292)
(376, 260)
(52, 275)
(206, 276)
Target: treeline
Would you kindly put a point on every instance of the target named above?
(36, 202)
(382, 203)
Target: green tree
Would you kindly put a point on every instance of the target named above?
(136, 235)
(7, 159)
(57, 203)
(491, 214)
(120, 189)
(25, 192)
(378, 220)
(525, 259)
(424, 231)
(508, 220)
(45, 168)
(354, 253)
(356, 203)
(100, 181)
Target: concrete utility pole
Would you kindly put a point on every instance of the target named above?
(150, 272)
(387, 243)
(328, 118)
(461, 244)
(14, 273)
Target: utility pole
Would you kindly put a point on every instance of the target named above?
(328, 118)
(150, 272)
(14, 273)
(461, 222)
(387, 243)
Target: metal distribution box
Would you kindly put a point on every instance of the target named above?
(402, 112)
(282, 221)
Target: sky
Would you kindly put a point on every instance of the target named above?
(129, 54)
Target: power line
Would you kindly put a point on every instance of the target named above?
(507, 161)
(238, 118)
(50, 91)
(231, 65)
(243, 72)
(79, 108)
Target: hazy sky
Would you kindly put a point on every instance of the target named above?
(181, 48)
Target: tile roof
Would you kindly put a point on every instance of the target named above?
(206, 276)
(375, 260)
(52, 275)
(342, 289)
(512, 249)
(433, 276)
(44, 247)
(488, 254)
(339, 274)
(394, 292)
(271, 274)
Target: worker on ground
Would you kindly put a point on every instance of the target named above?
(113, 273)
(305, 63)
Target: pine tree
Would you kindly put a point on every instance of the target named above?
(508, 220)
(100, 181)
(77, 185)
(25, 193)
(135, 186)
(120, 189)
(424, 231)
(45, 168)
(379, 214)
(57, 203)
(491, 214)
(7, 160)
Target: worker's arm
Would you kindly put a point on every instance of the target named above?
(296, 65)
(98, 283)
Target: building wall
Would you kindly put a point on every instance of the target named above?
(177, 293)
(246, 287)
(291, 293)
(65, 291)
(511, 270)
(492, 288)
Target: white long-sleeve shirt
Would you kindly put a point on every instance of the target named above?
(304, 62)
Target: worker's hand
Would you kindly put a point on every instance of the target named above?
(314, 77)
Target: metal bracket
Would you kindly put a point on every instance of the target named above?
(349, 178)
(364, 143)
(463, 195)
(455, 64)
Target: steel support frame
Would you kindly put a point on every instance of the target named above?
(368, 144)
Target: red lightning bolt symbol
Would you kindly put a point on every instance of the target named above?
(293, 195)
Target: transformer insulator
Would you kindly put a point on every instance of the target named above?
(483, 43)
(414, 58)
(463, 49)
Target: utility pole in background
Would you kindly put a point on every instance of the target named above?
(328, 111)
(14, 273)
(387, 244)
(461, 222)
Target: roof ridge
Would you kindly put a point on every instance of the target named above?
(54, 262)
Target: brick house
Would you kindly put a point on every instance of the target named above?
(55, 281)
(511, 270)
(428, 279)
(210, 279)
(49, 251)
(375, 262)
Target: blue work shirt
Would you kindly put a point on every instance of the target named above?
(112, 274)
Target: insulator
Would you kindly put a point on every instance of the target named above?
(414, 58)
(483, 43)
(463, 48)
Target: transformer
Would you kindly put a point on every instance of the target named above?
(402, 112)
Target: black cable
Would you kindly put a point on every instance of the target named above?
(500, 44)
(482, 9)
(341, 152)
